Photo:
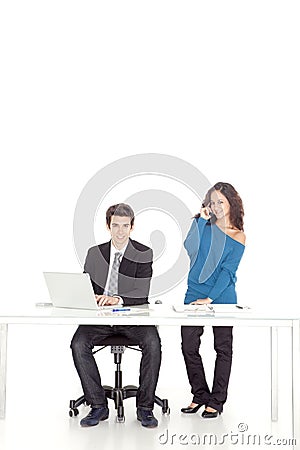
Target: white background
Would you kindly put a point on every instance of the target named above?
(86, 83)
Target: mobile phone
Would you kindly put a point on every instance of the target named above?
(207, 207)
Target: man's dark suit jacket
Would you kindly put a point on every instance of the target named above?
(135, 271)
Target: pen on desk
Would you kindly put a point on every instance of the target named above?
(120, 309)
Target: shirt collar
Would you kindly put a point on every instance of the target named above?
(114, 250)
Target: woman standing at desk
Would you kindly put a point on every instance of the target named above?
(215, 245)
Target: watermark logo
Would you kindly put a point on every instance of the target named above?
(179, 180)
(240, 437)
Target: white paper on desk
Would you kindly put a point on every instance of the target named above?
(194, 308)
(230, 308)
(108, 307)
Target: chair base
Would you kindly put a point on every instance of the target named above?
(118, 395)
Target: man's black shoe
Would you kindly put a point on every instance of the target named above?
(95, 416)
(146, 417)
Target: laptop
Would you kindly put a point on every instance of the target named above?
(70, 290)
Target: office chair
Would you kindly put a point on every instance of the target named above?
(118, 393)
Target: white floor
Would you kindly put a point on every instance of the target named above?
(41, 380)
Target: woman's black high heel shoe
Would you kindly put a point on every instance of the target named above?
(190, 410)
(210, 414)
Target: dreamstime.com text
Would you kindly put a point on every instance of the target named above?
(239, 437)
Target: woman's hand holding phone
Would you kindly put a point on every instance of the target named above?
(205, 212)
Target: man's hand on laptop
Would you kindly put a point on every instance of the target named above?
(106, 300)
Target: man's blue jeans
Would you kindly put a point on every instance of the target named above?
(88, 336)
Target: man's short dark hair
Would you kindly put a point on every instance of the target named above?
(122, 210)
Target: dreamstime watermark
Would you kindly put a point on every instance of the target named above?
(239, 437)
(110, 177)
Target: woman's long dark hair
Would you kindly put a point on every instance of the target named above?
(236, 214)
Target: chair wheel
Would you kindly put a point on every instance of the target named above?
(120, 414)
(165, 407)
(73, 412)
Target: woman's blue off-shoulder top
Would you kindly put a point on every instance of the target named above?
(214, 259)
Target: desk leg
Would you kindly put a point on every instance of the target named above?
(296, 379)
(274, 373)
(3, 359)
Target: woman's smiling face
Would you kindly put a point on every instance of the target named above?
(219, 205)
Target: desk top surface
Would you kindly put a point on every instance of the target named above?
(148, 315)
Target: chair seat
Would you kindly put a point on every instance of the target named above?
(119, 339)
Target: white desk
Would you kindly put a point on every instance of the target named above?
(163, 315)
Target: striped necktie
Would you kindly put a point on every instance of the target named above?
(113, 280)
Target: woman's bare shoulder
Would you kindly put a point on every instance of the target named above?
(239, 236)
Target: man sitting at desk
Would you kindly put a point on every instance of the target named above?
(120, 271)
